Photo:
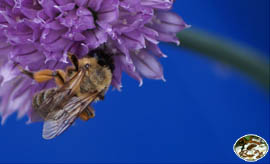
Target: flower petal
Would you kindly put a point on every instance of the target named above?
(159, 4)
(95, 4)
(9, 71)
(147, 65)
(169, 22)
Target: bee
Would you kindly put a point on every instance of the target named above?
(86, 81)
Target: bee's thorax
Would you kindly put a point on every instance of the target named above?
(96, 80)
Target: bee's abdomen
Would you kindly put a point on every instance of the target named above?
(41, 96)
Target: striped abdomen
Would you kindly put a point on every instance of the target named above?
(39, 98)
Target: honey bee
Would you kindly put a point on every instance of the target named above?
(86, 81)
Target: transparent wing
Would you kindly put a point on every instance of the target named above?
(58, 121)
(53, 102)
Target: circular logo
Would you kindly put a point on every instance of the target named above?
(251, 148)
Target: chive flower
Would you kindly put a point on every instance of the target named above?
(38, 34)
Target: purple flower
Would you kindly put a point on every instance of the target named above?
(38, 34)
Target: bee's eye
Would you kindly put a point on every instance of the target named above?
(87, 66)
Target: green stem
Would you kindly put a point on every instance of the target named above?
(245, 60)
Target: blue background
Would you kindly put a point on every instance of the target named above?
(196, 116)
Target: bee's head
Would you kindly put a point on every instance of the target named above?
(102, 58)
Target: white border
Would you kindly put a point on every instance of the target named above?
(251, 135)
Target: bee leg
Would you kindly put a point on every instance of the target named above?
(87, 113)
(74, 61)
(71, 70)
(28, 73)
(40, 76)
(46, 75)
(59, 77)
(101, 96)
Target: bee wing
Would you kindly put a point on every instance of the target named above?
(60, 120)
(61, 95)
